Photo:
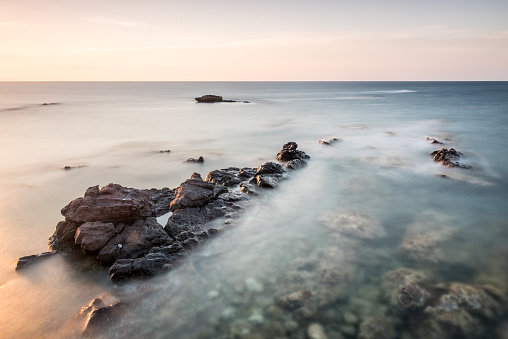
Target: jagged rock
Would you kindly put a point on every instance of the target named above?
(161, 198)
(226, 177)
(247, 189)
(268, 175)
(193, 192)
(355, 224)
(296, 164)
(92, 236)
(198, 160)
(32, 259)
(289, 152)
(434, 141)
(328, 142)
(112, 203)
(449, 157)
(209, 98)
(100, 319)
(134, 240)
(269, 168)
(150, 265)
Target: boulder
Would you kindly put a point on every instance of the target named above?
(289, 152)
(209, 98)
(150, 265)
(32, 259)
(112, 203)
(194, 192)
(161, 198)
(406, 289)
(449, 158)
(197, 160)
(226, 177)
(92, 236)
(296, 164)
(133, 241)
(101, 318)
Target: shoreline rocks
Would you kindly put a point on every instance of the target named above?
(117, 225)
(449, 158)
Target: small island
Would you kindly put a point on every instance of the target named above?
(209, 98)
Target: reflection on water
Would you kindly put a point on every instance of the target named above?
(322, 253)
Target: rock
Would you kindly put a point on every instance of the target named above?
(269, 168)
(247, 189)
(350, 318)
(112, 203)
(63, 237)
(226, 177)
(193, 192)
(295, 300)
(209, 98)
(425, 239)
(328, 142)
(406, 288)
(165, 151)
(33, 259)
(150, 265)
(267, 181)
(289, 152)
(92, 236)
(161, 198)
(354, 224)
(376, 327)
(101, 319)
(253, 285)
(296, 164)
(316, 331)
(434, 141)
(198, 160)
(133, 241)
(449, 158)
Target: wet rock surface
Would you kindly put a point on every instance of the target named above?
(449, 158)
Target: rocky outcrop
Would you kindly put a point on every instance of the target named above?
(33, 259)
(199, 160)
(100, 314)
(112, 203)
(117, 225)
(289, 152)
(449, 158)
(209, 98)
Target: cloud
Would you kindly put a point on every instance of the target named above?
(115, 22)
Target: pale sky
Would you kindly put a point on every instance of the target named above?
(176, 40)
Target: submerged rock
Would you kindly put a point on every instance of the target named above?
(198, 160)
(316, 331)
(101, 318)
(355, 224)
(377, 327)
(328, 142)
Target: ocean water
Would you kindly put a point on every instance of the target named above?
(380, 170)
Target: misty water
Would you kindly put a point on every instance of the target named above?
(379, 174)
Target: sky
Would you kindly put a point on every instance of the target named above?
(239, 40)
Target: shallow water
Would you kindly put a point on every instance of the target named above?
(380, 168)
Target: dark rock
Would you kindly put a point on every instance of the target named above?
(32, 259)
(328, 142)
(247, 190)
(165, 151)
(434, 141)
(209, 98)
(295, 300)
(267, 181)
(147, 266)
(101, 319)
(226, 177)
(406, 288)
(198, 160)
(409, 295)
(193, 192)
(112, 203)
(289, 152)
(296, 164)
(246, 173)
(92, 236)
(269, 168)
(449, 157)
(134, 241)
(162, 199)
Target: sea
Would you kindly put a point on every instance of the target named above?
(371, 203)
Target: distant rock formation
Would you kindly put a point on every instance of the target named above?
(209, 98)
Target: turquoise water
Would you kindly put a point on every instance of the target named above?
(380, 169)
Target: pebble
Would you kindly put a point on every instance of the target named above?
(256, 316)
(316, 331)
(213, 294)
(253, 285)
(350, 318)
